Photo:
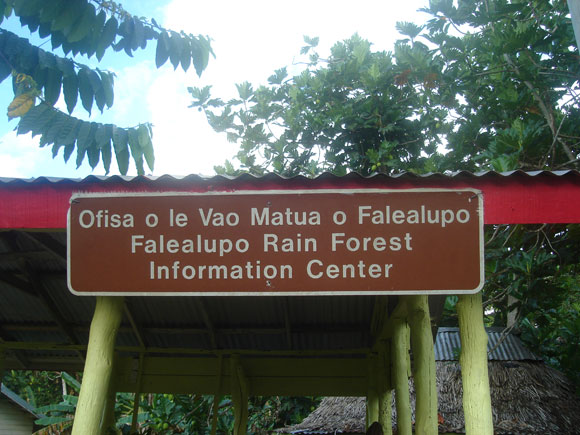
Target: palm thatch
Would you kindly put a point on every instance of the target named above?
(527, 398)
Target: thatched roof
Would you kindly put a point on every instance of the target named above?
(527, 398)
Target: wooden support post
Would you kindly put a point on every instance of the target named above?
(240, 392)
(109, 417)
(474, 370)
(372, 391)
(423, 365)
(385, 389)
(400, 379)
(2, 364)
(217, 396)
(137, 397)
(98, 366)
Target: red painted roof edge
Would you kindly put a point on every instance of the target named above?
(509, 198)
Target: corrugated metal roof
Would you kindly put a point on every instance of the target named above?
(271, 176)
(501, 346)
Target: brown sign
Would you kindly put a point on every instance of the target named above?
(276, 242)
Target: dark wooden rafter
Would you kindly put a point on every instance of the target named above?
(200, 304)
(50, 304)
(287, 324)
(18, 283)
(135, 327)
(379, 315)
(47, 243)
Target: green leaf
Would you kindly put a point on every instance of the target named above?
(31, 118)
(162, 51)
(80, 156)
(106, 154)
(52, 10)
(68, 133)
(107, 36)
(52, 86)
(136, 150)
(93, 153)
(107, 86)
(185, 55)
(70, 87)
(71, 13)
(86, 135)
(57, 124)
(120, 143)
(68, 150)
(146, 145)
(175, 49)
(103, 135)
(66, 66)
(86, 89)
(138, 39)
(83, 26)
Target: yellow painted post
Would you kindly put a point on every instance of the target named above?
(400, 357)
(385, 389)
(423, 366)
(109, 417)
(216, 396)
(97, 375)
(474, 370)
(137, 397)
(2, 363)
(240, 392)
(372, 391)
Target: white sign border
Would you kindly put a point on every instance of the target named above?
(348, 191)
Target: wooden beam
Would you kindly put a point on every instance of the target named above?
(266, 376)
(426, 422)
(98, 367)
(474, 370)
(42, 345)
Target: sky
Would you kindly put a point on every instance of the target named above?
(251, 39)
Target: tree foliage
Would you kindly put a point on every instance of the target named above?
(482, 84)
(84, 28)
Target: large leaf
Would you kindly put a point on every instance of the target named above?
(70, 87)
(136, 150)
(162, 52)
(32, 118)
(107, 86)
(120, 143)
(145, 143)
(52, 86)
(81, 27)
(69, 15)
(86, 89)
(107, 36)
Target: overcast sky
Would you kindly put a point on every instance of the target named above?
(251, 39)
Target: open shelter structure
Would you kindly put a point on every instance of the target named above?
(527, 396)
(246, 345)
